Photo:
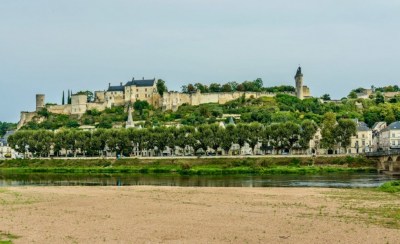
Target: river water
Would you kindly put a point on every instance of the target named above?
(334, 180)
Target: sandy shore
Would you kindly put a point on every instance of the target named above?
(147, 214)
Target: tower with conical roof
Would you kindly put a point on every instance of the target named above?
(299, 83)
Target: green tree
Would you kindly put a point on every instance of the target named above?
(226, 88)
(89, 94)
(202, 88)
(255, 134)
(191, 88)
(379, 98)
(326, 97)
(141, 106)
(345, 129)
(328, 131)
(352, 95)
(5, 126)
(205, 137)
(215, 87)
(228, 138)
(308, 130)
(161, 87)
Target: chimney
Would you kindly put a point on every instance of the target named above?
(143, 78)
(120, 83)
(133, 78)
(109, 84)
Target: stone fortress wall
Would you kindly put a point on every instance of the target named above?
(172, 100)
(146, 90)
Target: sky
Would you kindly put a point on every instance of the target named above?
(49, 46)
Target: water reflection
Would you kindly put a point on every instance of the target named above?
(350, 180)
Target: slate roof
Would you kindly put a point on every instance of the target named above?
(115, 88)
(141, 82)
(361, 126)
(393, 126)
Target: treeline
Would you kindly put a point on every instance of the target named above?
(246, 86)
(5, 126)
(282, 136)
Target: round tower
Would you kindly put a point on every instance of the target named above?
(39, 102)
(299, 83)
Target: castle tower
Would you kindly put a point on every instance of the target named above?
(78, 104)
(299, 83)
(39, 102)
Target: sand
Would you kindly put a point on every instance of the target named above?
(150, 214)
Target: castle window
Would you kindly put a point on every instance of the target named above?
(137, 90)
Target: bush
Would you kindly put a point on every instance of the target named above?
(391, 186)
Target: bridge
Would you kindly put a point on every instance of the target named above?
(388, 161)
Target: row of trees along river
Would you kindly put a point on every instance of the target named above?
(288, 135)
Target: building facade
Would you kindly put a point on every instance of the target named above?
(362, 142)
(390, 137)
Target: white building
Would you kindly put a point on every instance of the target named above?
(390, 137)
(362, 141)
(376, 133)
(5, 150)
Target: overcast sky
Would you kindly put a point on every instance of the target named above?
(48, 46)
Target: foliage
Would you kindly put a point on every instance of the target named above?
(326, 97)
(328, 131)
(141, 105)
(394, 88)
(246, 86)
(391, 186)
(194, 166)
(352, 95)
(5, 126)
(161, 87)
(379, 98)
(89, 94)
(343, 131)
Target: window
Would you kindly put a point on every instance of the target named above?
(393, 135)
(145, 90)
(137, 90)
(363, 143)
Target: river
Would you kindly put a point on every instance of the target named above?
(333, 180)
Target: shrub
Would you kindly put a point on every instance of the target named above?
(391, 186)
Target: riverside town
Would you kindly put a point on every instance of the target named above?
(199, 122)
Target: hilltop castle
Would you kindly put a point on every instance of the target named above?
(146, 90)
